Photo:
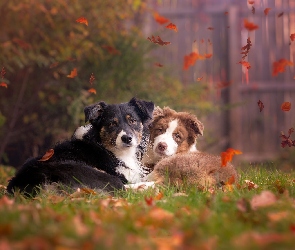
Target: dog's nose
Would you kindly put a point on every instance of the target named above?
(126, 139)
(162, 146)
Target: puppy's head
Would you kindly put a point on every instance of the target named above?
(173, 132)
(118, 127)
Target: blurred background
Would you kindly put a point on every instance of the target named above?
(41, 43)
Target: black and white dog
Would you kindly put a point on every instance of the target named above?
(102, 155)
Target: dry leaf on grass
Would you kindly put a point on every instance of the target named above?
(265, 199)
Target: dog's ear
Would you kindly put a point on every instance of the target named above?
(195, 124)
(144, 109)
(94, 111)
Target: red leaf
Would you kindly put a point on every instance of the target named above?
(190, 59)
(282, 13)
(247, 65)
(53, 65)
(260, 105)
(222, 85)
(266, 11)
(172, 27)
(290, 131)
(200, 78)
(253, 10)
(92, 90)
(228, 155)
(246, 48)
(292, 37)
(210, 28)
(3, 84)
(149, 201)
(265, 199)
(279, 66)
(286, 106)
(160, 19)
(73, 73)
(111, 50)
(251, 2)
(82, 20)
(91, 79)
(158, 40)
(159, 65)
(49, 153)
(250, 26)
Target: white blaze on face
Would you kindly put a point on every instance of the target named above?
(167, 138)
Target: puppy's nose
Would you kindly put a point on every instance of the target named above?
(162, 146)
(126, 139)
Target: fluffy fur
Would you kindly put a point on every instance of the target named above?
(101, 155)
(173, 156)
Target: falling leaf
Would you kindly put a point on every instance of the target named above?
(159, 65)
(226, 13)
(92, 90)
(250, 26)
(82, 20)
(228, 155)
(286, 106)
(292, 37)
(202, 40)
(190, 59)
(160, 19)
(266, 11)
(286, 141)
(73, 73)
(245, 49)
(251, 2)
(253, 10)
(210, 28)
(2, 72)
(200, 78)
(282, 13)
(260, 105)
(3, 84)
(49, 153)
(91, 79)
(111, 50)
(172, 27)
(245, 64)
(158, 40)
(279, 66)
(265, 199)
(53, 65)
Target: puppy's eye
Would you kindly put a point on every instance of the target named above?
(177, 136)
(159, 130)
(113, 124)
(132, 121)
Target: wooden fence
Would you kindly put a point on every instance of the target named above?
(239, 124)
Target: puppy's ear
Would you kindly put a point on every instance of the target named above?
(94, 111)
(195, 125)
(144, 109)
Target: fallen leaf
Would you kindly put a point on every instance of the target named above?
(159, 214)
(159, 196)
(279, 66)
(88, 191)
(82, 20)
(286, 106)
(277, 216)
(3, 84)
(250, 185)
(92, 90)
(53, 65)
(158, 40)
(250, 26)
(49, 153)
(228, 155)
(160, 19)
(73, 73)
(292, 37)
(266, 11)
(243, 205)
(80, 226)
(264, 199)
(5, 201)
(260, 105)
(282, 13)
(149, 201)
(172, 27)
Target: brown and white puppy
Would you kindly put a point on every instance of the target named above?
(171, 132)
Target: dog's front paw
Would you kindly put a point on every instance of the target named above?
(141, 185)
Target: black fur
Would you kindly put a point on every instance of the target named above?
(87, 162)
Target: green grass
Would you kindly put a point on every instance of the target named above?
(188, 218)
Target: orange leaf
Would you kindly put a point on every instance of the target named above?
(279, 66)
(250, 26)
(73, 73)
(247, 65)
(260, 105)
(3, 84)
(160, 19)
(231, 180)
(207, 56)
(172, 27)
(200, 78)
(292, 37)
(286, 106)
(266, 198)
(222, 85)
(92, 90)
(88, 191)
(190, 59)
(266, 11)
(82, 20)
(49, 153)
(149, 201)
(228, 155)
(251, 2)
(159, 196)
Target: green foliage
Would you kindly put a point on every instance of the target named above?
(188, 218)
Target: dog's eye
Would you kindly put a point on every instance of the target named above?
(132, 120)
(177, 136)
(159, 130)
(113, 124)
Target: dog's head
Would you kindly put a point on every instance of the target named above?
(173, 132)
(117, 127)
